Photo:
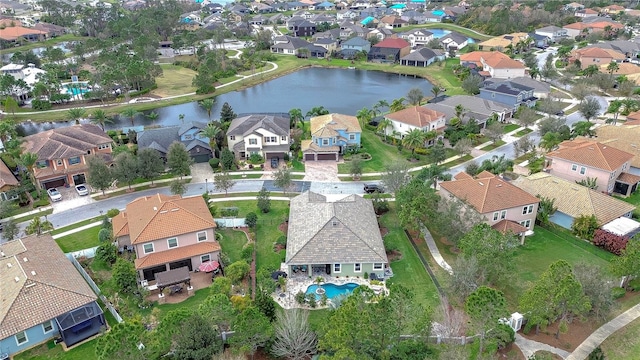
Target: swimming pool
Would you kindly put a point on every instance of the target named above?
(332, 290)
(438, 33)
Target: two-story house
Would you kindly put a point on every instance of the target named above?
(417, 37)
(416, 117)
(393, 22)
(454, 41)
(353, 46)
(505, 207)
(591, 56)
(389, 50)
(265, 135)
(43, 297)
(554, 33)
(288, 45)
(502, 68)
(584, 159)
(508, 92)
(331, 135)
(167, 232)
(189, 134)
(302, 28)
(422, 57)
(63, 153)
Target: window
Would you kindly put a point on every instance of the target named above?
(336, 268)
(232, 137)
(253, 141)
(42, 164)
(188, 137)
(377, 266)
(148, 248)
(503, 214)
(325, 141)
(104, 146)
(270, 139)
(173, 242)
(283, 138)
(527, 210)
(357, 267)
(59, 162)
(202, 236)
(74, 160)
(574, 167)
(583, 170)
(47, 326)
(205, 258)
(495, 216)
(352, 136)
(21, 338)
(526, 223)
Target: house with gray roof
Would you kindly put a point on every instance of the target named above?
(454, 41)
(43, 297)
(340, 238)
(354, 45)
(422, 57)
(508, 92)
(476, 108)
(540, 89)
(265, 135)
(553, 32)
(189, 134)
(288, 45)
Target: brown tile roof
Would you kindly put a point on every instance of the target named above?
(591, 153)
(603, 24)
(633, 116)
(623, 68)
(332, 123)
(160, 216)
(37, 289)
(488, 193)
(573, 199)
(509, 227)
(628, 178)
(577, 26)
(625, 138)
(179, 253)
(310, 146)
(65, 142)
(593, 52)
(392, 43)
(476, 56)
(418, 116)
(6, 176)
(14, 32)
(501, 62)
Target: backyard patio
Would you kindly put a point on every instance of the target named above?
(199, 280)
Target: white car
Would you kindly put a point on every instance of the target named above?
(54, 194)
(82, 189)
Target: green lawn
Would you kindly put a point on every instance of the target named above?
(523, 132)
(446, 26)
(624, 343)
(81, 240)
(50, 352)
(510, 127)
(409, 270)
(441, 74)
(232, 242)
(493, 145)
(76, 225)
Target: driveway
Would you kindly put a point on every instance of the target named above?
(321, 171)
(201, 172)
(70, 200)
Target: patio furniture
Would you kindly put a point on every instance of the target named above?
(176, 289)
(173, 277)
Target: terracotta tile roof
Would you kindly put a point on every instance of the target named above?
(604, 24)
(593, 52)
(65, 142)
(501, 62)
(160, 216)
(310, 146)
(573, 199)
(179, 253)
(628, 178)
(391, 43)
(477, 56)
(508, 227)
(631, 122)
(623, 68)
(37, 289)
(633, 116)
(334, 122)
(488, 193)
(14, 32)
(577, 26)
(418, 116)
(591, 153)
(6, 176)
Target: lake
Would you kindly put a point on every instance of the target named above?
(338, 90)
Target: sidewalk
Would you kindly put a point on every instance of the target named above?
(78, 229)
(433, 249)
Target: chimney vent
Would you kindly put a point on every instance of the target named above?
(25, 259)
(33, 273)
(9, 265)
(17, 279)
(155, 208)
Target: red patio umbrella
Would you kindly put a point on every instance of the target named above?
(208, 266)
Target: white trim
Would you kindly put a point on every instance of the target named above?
(144, 250)
(25, 337)
(503, 214)
(574, 167)
(169, 244)
(375, 266)
(198, 236)
(339, 268)
(355, 269)
(528, 209)
(527, 222)
(44, 330)
(496, 215)
(202, 258)
(583, 170)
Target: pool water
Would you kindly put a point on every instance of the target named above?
(438, 33)
(332, 290)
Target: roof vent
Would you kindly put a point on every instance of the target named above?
(9, 265)
(163, 212)
(499, 185)
(31, 285)
(33, 273)
(17, 279)
(25, 259)
(2, 254)
(175, 209)
(155, 208)
(334, 223)
(481, 183)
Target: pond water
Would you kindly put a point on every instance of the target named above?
(338, 90)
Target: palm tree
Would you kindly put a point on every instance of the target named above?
(613, 67)
(28, 160)
(436, 90)
(317, 111)
(397, 105)
(460, 111)
(38, 226)
(212, 131)
(383, 125)
(99, 117)
(295, 116)
(207, 105)
(181, 118)
(590, 70)
(364, 115)
(414, 139)
(75, 114)
(153, 116)
(130, 113)
(381, 104)
(395, 135)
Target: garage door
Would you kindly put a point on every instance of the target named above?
(54, 183)
(201, 158)
(309, 157)
(278, 155)
(326, 156)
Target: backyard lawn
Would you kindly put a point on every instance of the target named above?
(84, 239)
(50, 352)
(624, 343)
(175, 80)
(232, 242)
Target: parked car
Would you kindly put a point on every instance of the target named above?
(54, 194)
(560, 113)
(371, 188)
(82, 190)
(274, 162)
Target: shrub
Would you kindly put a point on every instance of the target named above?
(111, 213)
(611, 242)
(311, 299)
(618, 292)
(300, 297)
(251, 219)
(584, 226)
(41, 105)
(247, 252)
(256, 159)
(421, 151)
(214, 163)
(282, 240)
(366, 275)
(634, 285)
(107, 253)
(104, 235)
(237, 271)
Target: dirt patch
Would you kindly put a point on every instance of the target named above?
(278, 247)
(578, 331)
(511, 352)
(384, 231)
(284, 227)
(394, 255)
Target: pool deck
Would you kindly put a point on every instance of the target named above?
(298, 283)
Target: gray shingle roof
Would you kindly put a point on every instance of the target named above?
(356, 41)
(247, 124)
(456, 37)
(189, 125)
(159, 139)
(321, 232)
(505, 87)
(423, 54)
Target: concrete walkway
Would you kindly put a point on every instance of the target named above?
(433, 249)
(78, 229)
(530, 347)
(594, 340)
